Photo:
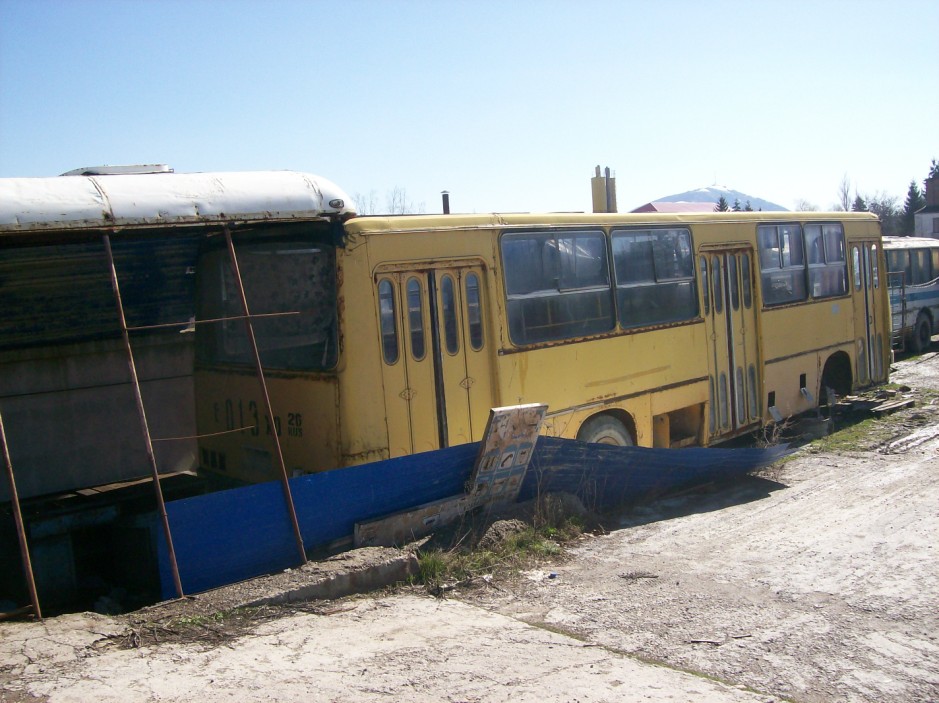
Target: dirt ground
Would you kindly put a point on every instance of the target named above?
(817, 581)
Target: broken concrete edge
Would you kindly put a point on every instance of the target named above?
(349, 573)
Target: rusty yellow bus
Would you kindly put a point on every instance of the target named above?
(385, 336)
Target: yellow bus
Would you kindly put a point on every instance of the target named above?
(386, 336)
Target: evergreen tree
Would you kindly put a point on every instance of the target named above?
(748, 207)
(859, 204)
(914, 201)
(933, 170)
(722, 205)
(736, 207)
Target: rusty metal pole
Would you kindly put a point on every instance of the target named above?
(259, 368)
(144, 426)
(18, 519)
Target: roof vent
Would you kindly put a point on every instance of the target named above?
(132, 170)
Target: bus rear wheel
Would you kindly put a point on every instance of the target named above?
(922, 334)
(604, 429)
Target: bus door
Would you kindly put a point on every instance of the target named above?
(870, 322)
(733, 342)
(436, 372)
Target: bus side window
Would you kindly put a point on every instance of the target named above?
(705, 285)
(388, 321)
(450, 323)
(874, 272)
(747, 288)
(856, 258)
(782, 264)
(474, 311)
(416, 318)
(920, 262)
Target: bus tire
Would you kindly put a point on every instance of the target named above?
(922, 333)
(604, 429)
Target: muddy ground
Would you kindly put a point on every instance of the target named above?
(817, 581)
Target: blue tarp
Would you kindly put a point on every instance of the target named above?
(229, 536)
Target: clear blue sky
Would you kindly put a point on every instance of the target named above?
(508, 105)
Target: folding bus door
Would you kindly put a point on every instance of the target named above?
(436, 371)
(733, 343)
(870, 313)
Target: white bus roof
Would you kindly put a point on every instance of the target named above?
(78, 202)
(910, 242)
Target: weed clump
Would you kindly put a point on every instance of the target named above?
(488, 546)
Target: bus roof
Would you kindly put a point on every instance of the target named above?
(406, 223)
(95, 201)
(910, 242)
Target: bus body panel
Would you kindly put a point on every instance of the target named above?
(427, 338)
(913, 270)
(236, 435)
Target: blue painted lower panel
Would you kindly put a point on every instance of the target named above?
(604, 477)
(233, 535)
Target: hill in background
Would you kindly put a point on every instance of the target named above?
(712, 194)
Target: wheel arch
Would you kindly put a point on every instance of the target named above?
(618, 414)
(837, 375)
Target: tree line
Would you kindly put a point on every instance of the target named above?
(894, 220)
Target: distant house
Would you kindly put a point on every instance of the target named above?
(681, 206)
(926, 219)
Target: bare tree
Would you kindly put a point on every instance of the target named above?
(396, 203)
(803, 205)
(844, 194)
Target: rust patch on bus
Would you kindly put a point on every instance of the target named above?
(365, 457)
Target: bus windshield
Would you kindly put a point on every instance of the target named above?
(293, 280)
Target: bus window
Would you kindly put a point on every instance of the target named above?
(920, 264)
(856, 258)
(734, 285)
(895, 261)
(654, 276)
(718, 288)
(705, 285)
(747, 286)
(874, 274)
(824, 245)
(450, 323)
(416, 318)
(474, 311)
(388, 321)
(557, 284)
(781, 263)
(295, 276)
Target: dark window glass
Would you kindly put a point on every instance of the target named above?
(654, 276)
(828, 269)
(557, 284)
(856, 257)
(705, 284)
(416, 318)
(718, 286)
(296, 277)
(474, 311)
(747, 285)
(450, 322)
(921, 266)
(895, 261)
(733, 282)
(782, 264)
(388, 321)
